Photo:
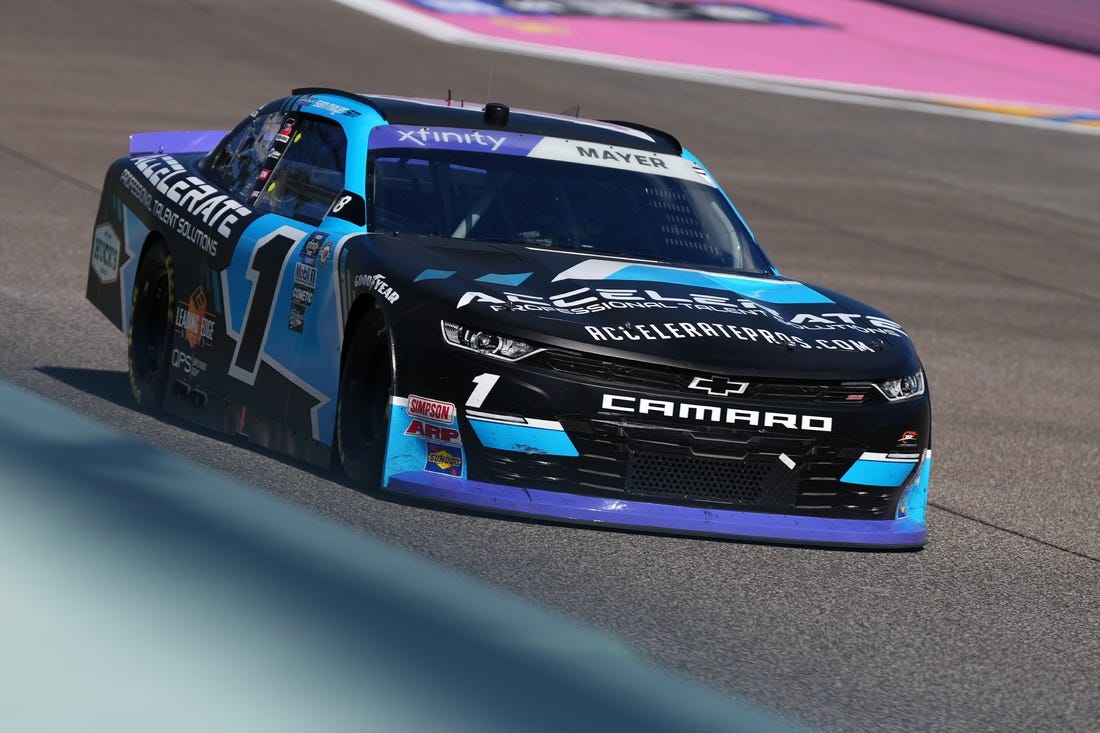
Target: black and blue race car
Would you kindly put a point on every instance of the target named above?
(518, 312)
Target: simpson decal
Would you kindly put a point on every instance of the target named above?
(437, 410)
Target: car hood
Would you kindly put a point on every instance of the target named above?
(669, 314)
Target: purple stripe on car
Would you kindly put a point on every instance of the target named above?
(633, 514)
(183, 141)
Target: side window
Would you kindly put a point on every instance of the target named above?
(236, 164)
(309, 174)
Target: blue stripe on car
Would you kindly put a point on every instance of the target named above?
(878, 473)
(767, 291)
(496, 279)
(524, 438)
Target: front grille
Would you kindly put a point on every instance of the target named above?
(638, 375)
(699, 465)
(698, 478)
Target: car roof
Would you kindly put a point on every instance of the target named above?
(496, 116)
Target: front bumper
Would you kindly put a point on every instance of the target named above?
(908, 531)
(806, 465)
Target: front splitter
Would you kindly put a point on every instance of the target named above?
(642, 515)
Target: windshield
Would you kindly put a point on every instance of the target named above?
(555, 204)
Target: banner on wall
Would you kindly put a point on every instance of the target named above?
(724, 12)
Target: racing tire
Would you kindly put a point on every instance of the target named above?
(149, 339)
(363, 408)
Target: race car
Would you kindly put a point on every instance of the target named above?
(507, 310)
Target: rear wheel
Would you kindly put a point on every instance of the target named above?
(362, 411)
(150, 336)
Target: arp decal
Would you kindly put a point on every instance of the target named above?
(431, 431)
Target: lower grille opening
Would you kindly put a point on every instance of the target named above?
(705, 466)
(716, 480)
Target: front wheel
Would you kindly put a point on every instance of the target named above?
(362, 410)
(150, 335)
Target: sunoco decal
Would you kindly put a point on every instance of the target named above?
(431, 431)
(445, 459)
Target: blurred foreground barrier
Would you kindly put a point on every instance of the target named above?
(1070, 23)
(141, 593)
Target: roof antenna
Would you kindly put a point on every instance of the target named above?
(448, 97)
(489, 91)
(574, 111)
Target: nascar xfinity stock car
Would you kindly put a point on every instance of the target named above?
(519, 312)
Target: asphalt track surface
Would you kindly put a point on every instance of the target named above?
(980, 238)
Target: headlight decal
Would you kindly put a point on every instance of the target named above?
(524, 435)
(914, 501)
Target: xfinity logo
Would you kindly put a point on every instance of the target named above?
(718, 386)
(712, 414)
(423, 136)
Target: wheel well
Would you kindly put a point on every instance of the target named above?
(152, 236)
(363, 305)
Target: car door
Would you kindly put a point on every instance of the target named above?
(281, 300)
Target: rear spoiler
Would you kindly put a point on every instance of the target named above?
(184, 141)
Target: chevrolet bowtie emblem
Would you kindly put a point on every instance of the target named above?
(718, 386)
